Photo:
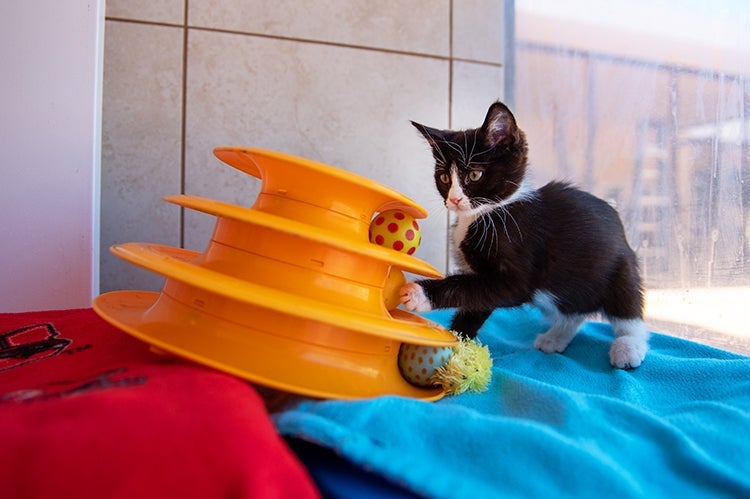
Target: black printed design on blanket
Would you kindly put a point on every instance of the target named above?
(30, 344)
(61, 389)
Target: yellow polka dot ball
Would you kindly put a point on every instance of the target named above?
(397, 230)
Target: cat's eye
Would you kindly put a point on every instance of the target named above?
(475, 175)
(445, 178)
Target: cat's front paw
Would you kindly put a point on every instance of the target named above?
(414, 298)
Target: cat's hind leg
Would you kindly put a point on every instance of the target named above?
(631, 343)
(564, 326)
(559, 336)
(624, 309)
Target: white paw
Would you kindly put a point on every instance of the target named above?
(550, 343)
(628, 352)
(414, 299)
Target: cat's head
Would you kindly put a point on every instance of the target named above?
(482, 167)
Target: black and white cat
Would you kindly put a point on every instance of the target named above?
(557, 247)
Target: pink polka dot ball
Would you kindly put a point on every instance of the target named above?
(418, 363)
(396, 230)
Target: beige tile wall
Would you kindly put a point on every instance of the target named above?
(141, 145)
(336, 81)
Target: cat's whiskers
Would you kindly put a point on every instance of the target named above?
(480, 227)
(435, 149)
(523, 193)
(466, 156)
(441, 160)
(472, 155)
(489, 220)
(436, 206)
(473, 146)
(488, 244)
(482, 212)
(505, 228)
(506, 213)
(455, 147)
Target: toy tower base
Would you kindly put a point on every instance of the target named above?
(289, 293)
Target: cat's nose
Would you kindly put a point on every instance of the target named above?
(455, 201)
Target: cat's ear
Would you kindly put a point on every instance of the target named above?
(499, 126)
(432, 135)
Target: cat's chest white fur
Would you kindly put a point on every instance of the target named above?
(465, 216)
(459, 230)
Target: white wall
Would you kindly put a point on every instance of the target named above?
(50, 67)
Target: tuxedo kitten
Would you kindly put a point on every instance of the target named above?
(558, 247)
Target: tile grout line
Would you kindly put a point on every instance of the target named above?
(509, 52)
(450, 125)
(448, 58)
(450, 64)
(183, 124)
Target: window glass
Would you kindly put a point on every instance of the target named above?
(646, 104)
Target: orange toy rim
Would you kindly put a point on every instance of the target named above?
(176, 264)
(321, 372)
(306, 231)
(263, 164)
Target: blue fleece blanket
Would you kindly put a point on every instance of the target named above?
(556, 425)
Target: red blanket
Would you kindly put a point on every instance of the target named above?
(87, 411)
